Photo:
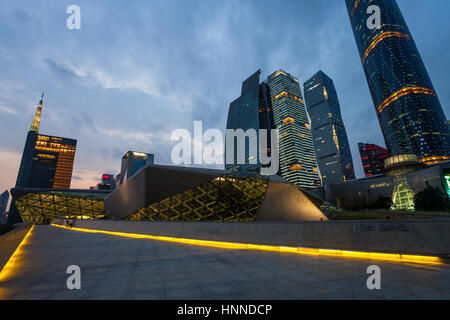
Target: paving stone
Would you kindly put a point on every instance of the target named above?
(115, 268)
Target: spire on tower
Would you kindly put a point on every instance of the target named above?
(37, 118)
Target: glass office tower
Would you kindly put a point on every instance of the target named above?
(372, 158)
(297, 157)
(132, 162)
(250, 111)
(328, 131)
(406, 103)
(47, 161)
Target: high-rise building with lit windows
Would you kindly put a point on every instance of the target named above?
(296, 150)
(372, 158)
(328, 131)
(47, 161)
(406, 103)
(251, 111)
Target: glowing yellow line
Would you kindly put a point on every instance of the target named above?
(297, 250)
(9, 266)
(355, 5)
(381, 37)
(403, 92)
(435, 159)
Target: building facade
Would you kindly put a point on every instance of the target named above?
(41, 206)
(132, 162)
(407, 106)
(4, 198)
(399, 187)
(372, 158)
(328, 131)
(296, 150)
(251, 111)
(47, 161)
(107, 182)
(166, 193)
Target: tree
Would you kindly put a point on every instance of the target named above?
(431, 199)
(383, 203)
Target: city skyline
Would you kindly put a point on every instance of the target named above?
(87, 96)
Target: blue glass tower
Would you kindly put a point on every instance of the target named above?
(328, 131)
(250, 111)
(409, 111)
(132, 162)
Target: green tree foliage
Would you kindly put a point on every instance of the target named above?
(431, 199)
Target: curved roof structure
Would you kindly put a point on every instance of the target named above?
(166, 193)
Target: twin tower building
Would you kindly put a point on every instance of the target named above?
(313, 145)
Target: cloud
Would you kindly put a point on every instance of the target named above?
(61, 70)
(124, 83)
(8, 110)
(147, 137)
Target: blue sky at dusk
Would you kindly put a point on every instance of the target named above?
(137, 70)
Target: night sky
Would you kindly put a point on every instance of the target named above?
(137, 70)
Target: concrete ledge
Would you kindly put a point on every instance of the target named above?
(10, 241)
(415, 237)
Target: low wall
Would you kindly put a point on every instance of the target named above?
(11, 240)
(421, 237)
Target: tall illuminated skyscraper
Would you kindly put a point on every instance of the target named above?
(297, 157)
(406, 103)
(47, 161)
(330, 138)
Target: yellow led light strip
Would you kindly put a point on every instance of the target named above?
(287, 94)
(9, 266)
(297, 250)
(381, 37)
(435, 159)
(355, 5)
(403, 92)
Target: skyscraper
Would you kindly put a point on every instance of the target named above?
(107, 181)
(4, 198)
(250, 111)
(132, 162)
(297, 157)
(328, 131)
(372, 157)
(47, 161)
(406, 103)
